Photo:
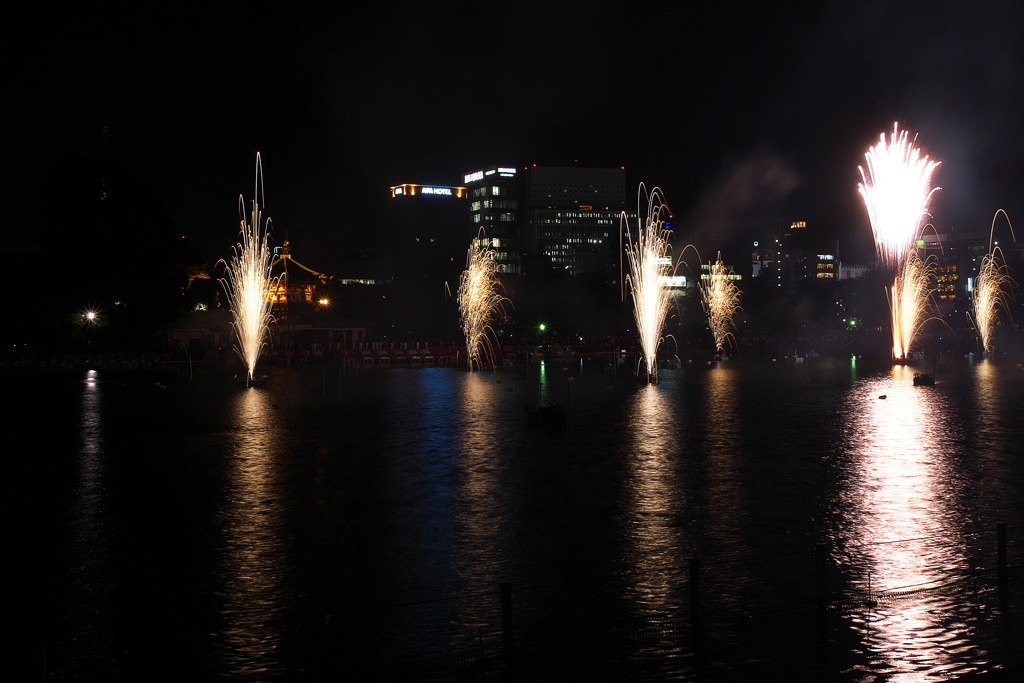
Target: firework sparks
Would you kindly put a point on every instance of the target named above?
(909, 301)
(992, 291)
(896, 190)
(248, 281)
(480, 304)
(649, 256)
(990, 294)
(721, 299)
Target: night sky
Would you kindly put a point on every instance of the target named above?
(747, 118)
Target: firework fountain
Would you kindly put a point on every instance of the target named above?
(650, 261)
(896, 190)
(248, 280)
(481, 303)
(721, 299)
(909, 302)
(992, 290)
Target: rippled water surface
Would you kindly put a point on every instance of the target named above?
(198, 527)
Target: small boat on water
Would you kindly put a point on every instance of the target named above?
(924, 379)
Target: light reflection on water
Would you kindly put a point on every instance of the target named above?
(90, 583)
(481, 524)
(653, 536)
(723, 494)
(902, 529)
(254, 557)
(405, 485)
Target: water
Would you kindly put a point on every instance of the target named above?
(202, 529)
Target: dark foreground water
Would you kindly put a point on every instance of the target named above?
(190, 528)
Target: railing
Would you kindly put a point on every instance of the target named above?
(56, 360)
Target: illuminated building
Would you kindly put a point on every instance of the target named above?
(573, 216)
(425, 234)
(957, 256)
(495, 199)
(424, 245)
(795, 257)
(562, 218)
(413, 190)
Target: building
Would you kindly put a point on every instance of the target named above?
(425, 228)
(495, 213)
(548, 217)
(955, 257)
(796, 257)
(424, 242)
(573, 217)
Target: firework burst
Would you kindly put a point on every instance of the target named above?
(721, 299)
(481, 304)
(248, 281)
(897, 188)
(650, 261)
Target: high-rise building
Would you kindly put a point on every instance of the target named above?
(797, 256)
(425, 247)
(573, 216)
(955, 257)
(561, 218)
(495, 214)
(425, 228)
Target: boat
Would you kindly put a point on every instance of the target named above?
(926, 379)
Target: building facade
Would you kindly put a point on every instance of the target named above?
(573, 217)
(796, 257)
(495, 198)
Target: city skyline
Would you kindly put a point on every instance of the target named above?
(746, 119)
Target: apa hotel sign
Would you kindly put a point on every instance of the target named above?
(412, 190)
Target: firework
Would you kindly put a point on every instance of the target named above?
(480, 304)
(896, 190)
(721, 299)
(992, 291)
(649, 256)
(248, 281)
(909, 302)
